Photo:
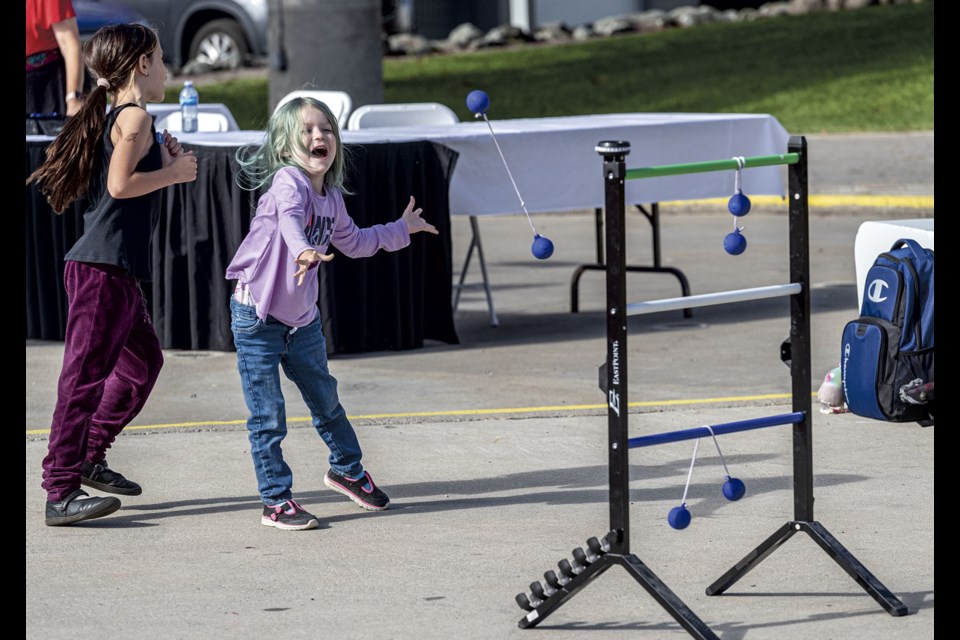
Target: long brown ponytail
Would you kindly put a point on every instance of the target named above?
(111, 55)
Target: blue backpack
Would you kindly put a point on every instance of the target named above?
(887, 353)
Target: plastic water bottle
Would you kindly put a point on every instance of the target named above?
(189, 102)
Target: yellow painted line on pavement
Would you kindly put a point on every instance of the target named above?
(459, 412)
(892, 202)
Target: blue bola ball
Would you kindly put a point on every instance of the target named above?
(733, 489)
(542, 247)
(734, 243)
(679, 517)
(478, 101)
(739, 204)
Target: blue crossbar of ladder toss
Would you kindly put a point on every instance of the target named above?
(718, 429)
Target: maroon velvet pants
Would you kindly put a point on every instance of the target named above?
(111, 360)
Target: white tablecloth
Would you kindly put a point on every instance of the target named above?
(556, 167)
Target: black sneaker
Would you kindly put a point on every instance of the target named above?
(289, 516)
(103, 478)
(361, 490)
(78, 506)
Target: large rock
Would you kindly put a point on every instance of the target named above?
(552, 32)
(685, 17)
(583, 32)
(648, 21)
(408, 44)
(612, 25)
(464, 36)
(504, 35)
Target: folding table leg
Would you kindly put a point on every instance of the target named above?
(475, 243)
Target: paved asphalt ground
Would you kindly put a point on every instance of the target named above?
(494, 454)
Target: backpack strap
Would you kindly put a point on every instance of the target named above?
(915, 248)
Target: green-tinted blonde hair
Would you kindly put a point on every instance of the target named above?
(258, 164)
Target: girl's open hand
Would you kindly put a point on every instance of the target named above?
(307, 258)
(414, 222)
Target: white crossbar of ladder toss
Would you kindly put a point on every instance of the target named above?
(707, 299)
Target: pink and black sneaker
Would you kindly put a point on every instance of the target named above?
(361, 490)
(289, 516)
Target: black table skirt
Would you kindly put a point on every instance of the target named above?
(390, 301)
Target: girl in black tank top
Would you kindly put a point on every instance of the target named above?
(112, 355)
(118, 231)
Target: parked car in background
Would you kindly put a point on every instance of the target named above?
(91, 15)
(208, 34)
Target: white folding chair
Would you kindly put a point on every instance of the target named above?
(414, 114)
(339, 102)
(401, 115)
(207, 121)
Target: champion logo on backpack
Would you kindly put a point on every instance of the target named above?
(887, 353)
(876, 289)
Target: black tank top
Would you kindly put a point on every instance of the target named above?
(119, 232)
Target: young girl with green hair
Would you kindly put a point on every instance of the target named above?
(274, 316)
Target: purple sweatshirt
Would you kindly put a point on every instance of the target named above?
(291, 218)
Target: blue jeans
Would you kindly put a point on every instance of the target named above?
(263, 346)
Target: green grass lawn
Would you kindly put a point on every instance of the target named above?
(867, 69)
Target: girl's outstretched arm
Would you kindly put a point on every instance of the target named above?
(359, 242)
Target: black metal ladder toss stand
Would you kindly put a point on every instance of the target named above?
(614, 547)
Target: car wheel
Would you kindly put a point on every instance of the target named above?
(220, 44)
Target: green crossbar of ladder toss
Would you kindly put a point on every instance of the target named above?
(711, 165)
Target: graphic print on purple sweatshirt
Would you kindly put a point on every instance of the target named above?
(318, 230)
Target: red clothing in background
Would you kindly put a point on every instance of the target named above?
(41, 16)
